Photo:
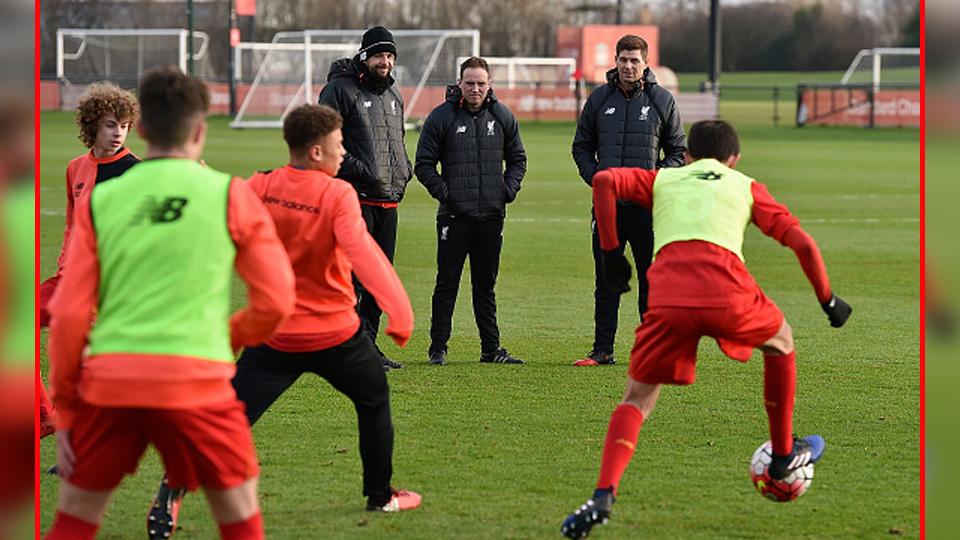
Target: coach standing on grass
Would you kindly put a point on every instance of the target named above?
(362, 90)
(629, 122)
(471, 136)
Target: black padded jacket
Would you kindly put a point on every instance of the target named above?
(618, 129)
(480, 153)
(376, 162)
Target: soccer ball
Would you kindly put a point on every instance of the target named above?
(785, 490)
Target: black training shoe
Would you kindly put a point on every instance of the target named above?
(162, 516)
(806, 450)
(388, 364)
(438, 358)
(596, 511)
(500, 356)
(596, 358)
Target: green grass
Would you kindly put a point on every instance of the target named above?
(507, 452)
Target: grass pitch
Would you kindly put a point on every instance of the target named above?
(508, 451)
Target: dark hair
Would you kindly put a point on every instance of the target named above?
(308, 124)
(713, 139)
(631, 42)
(172, 104)
(99, 100)
(474, 62)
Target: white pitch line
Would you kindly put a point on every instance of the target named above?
(861, 220)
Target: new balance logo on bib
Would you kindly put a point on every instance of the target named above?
(171, 209)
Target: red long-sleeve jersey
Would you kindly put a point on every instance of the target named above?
(318, 219)
(697, 273)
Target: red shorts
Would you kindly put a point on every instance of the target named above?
(206, 446)
(665, 351)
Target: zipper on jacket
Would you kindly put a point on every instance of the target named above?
(626, 119)
(476, 138)
(392, 158)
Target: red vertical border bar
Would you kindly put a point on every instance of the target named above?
(923, 269)
(36, 269)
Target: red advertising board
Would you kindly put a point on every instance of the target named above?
(858, 106)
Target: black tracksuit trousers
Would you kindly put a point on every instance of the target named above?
(354, 368)
(634, 226)
(481, 240)
(382, 226)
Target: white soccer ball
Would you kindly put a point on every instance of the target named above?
(787, 489)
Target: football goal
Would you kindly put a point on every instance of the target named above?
(519, 72)
(273, 78)
(86, 55)
(889, 67)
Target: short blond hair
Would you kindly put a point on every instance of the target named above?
(98, 101)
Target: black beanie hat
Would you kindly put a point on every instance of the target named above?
(376, 40)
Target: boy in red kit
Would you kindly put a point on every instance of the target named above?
(318, 219)
(105, 113)
(153, 254)
(699, 286)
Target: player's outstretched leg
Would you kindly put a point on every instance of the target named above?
(806, 450)
(618, 448)
(163, 513)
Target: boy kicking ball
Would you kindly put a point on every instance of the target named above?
(699, 286)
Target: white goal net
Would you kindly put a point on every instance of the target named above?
(273, 78)
(519, 71)
(86, 55)
(884, 67)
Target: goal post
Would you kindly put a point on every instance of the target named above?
(884, 66)
(880, 88)
(86, 55)
(514, 71)
(273, 78)
(122, 56)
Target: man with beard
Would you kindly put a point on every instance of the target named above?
(362, 90)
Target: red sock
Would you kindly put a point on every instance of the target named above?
(248, 529)
(621, 441)
(67, 527)
(779, 393)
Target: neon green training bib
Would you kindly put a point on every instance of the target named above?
(705, 200)
(166, 258)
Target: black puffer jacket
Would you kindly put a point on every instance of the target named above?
(619, 130)
(471, 148)
(376, 162)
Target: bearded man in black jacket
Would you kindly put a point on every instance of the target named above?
(376, 163)
(476, 141)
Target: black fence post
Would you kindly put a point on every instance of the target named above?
(776, 106)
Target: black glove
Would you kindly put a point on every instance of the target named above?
(615, 271)
(837, 311)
